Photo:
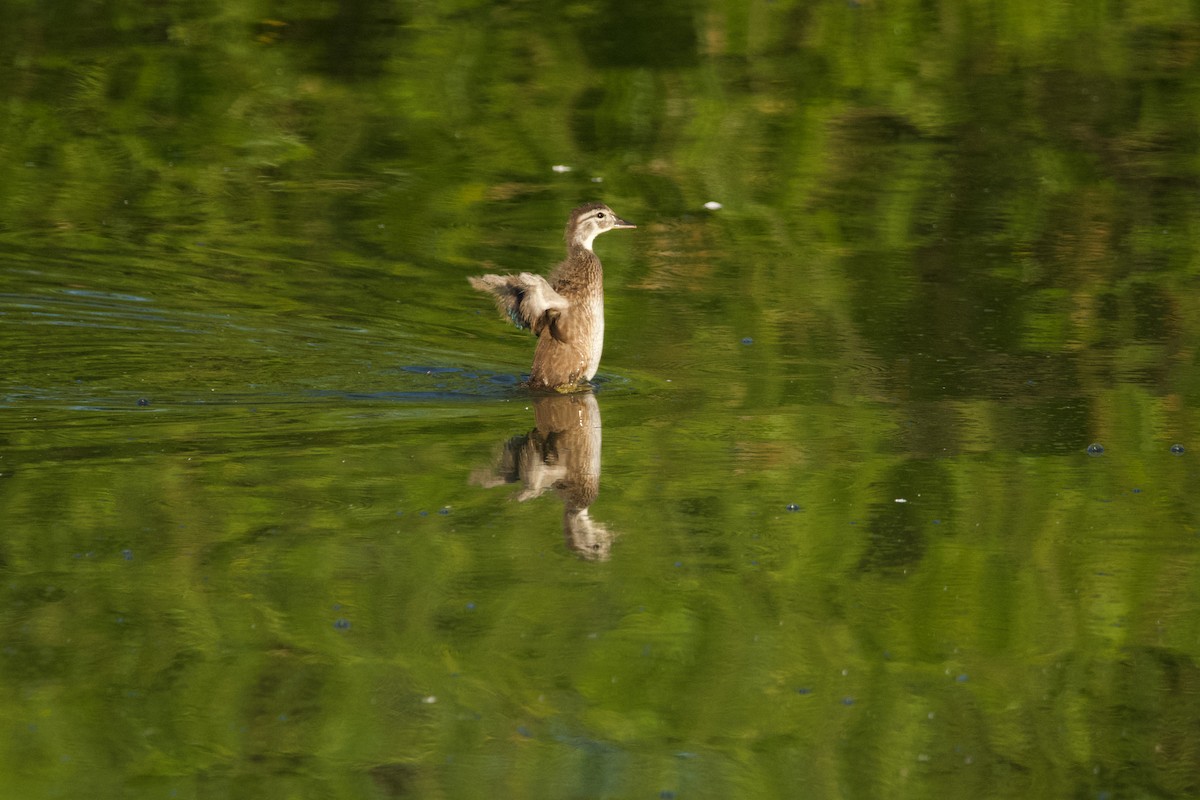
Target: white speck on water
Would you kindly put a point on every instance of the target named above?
(901, 500)
(713, 205)
(561, 168)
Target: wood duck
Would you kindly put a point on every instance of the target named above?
(566, 312)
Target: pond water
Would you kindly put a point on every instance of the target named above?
(887, 486)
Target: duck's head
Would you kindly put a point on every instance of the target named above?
(589, 221)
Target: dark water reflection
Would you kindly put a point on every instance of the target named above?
(851, 541)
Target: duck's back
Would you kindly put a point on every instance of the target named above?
(568, 352)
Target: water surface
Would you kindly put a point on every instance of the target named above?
(886, 487)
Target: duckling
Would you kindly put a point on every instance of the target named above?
(566, 312)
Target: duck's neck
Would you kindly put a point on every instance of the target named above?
(581, 270)
(581, 248)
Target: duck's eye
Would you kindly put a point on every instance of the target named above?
(600, 215)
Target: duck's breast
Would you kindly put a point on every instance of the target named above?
(595, 342)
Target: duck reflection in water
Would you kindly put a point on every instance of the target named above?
(562, 453)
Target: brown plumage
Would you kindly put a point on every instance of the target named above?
(566, 312)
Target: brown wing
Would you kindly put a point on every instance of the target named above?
(527, 299)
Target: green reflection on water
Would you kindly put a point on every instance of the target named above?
(856, 548)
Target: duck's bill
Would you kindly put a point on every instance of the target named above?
(620, 223)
